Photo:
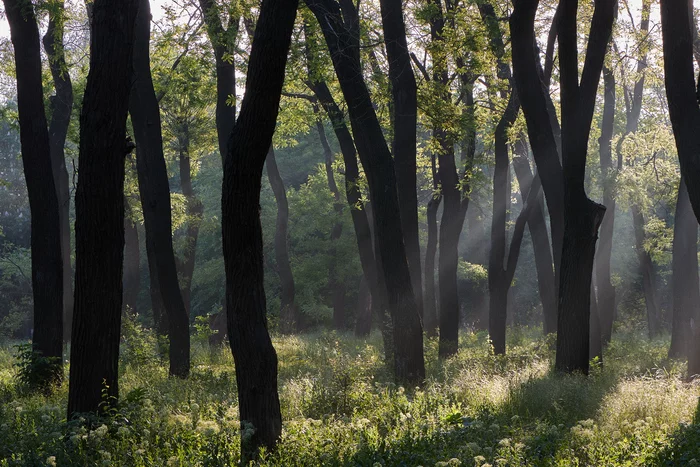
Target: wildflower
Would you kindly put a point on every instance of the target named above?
(478, 460)
(454, 462)
(504, 443)
(140, 452)
(195, 407)
(51, 461)
(123, 431)
(207, 427)
(474, 447)
(173, 462)
(100, 431)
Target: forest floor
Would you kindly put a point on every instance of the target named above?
(339, 408)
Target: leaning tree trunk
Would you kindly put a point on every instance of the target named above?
(684, 281)
(155, 194)
(288, 308)
(582, 217)
(405, 110)
(250, 141)
(195, 212)
(409, 364)
(61, 105)
(99, 206)
(47, 274)
(606, 290)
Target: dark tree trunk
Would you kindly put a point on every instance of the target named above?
(250, 141)
(47, 273)
(223, 41)
(160, 317)
(405, 108)
(540, 240)
(132, 276)
(595, 340)
(430, 316)
(61, 104)
(376, 158)
(288, 308)
(335, 284)
(155, 194)
(195, 212)
(679, 74)
(581, 215)
(363, 323)
(99, 206)
(685, 282)
(646, 268)
(606, 290)
(541, 126)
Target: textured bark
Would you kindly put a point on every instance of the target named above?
(409, 365)
(47, 273)
(581, 215)
(679, 74)
(335, 284)
(99, 205)
(61, 105)
(195, 212)
(251, 137)
(288, 308)
(606, 291)
(405, 108)
(132, 276)
(684, 281)
(223, 41)
(155, 194)
(540, 239)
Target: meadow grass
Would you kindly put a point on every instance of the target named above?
(341, 408)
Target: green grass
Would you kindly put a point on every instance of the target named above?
(340, 408)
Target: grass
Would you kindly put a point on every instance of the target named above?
(340, 408)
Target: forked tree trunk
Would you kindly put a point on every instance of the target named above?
(409, 365)
(288, 308)
(61, 105)
(684, 281)
(47, 271)
(99, 205)
(251, 138)
(155, 194)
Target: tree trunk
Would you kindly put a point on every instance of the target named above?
(61, 104)
(132, 276)
(99, 205)
(540, 240)
(195, 212)
(409, 364)
(595, 340)
(288, 308)
(606, 290)
(685, 282)
(582, 217)
(160, 317)
(155, 193)
(405, 108)
(430, 316)
(681, 91)
(646, 268)
(47, 274)
(250, 141)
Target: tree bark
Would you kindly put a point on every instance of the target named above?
(99, 205)
(251, 137)
(430, 315)
(288, 308)
(684, 281)
(61, 104)
(47, 273)
(595, 340)
(155, 193)
(606, 290)
(195, 212)
(405, 108)
(409, 365)
(581, 215)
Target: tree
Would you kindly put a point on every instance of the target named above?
(47, 269)
(61, 106)
(251, 137)
(409, 365)
(99, 205)
(288, 308)
(155, 194)
(582, 216)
